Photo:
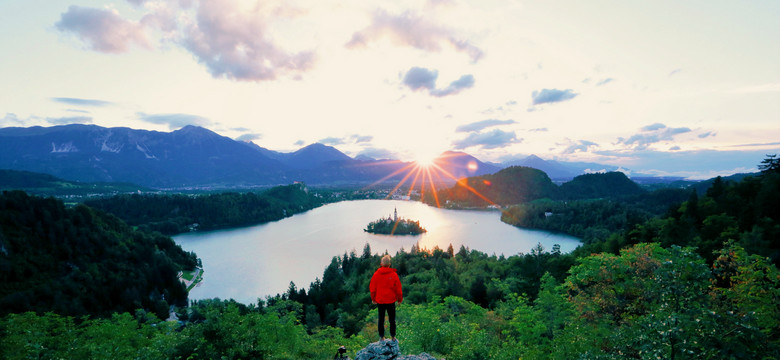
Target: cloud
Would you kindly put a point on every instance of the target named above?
(299, 143)
(580, 146)
(174, 121)
(332, 141)
(10, 119)
(674, 148)
(698, 164)
(69, 120)
(357, 139)
(351, 139)
(249, 137)
(487, 140)
(103, 30)
(538, 130)
(409, 29)
(465, 82)
(652, 134)
(236, 44)
(375, 153)
(545, 96)
(757, 144)
(421, 78)
(480, 125)
(82, 102)
(706, 135)
(434, 3)
(78, 111)
(603, 82)
(653, 127)
(675, 72)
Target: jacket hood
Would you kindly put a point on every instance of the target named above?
(385, 270)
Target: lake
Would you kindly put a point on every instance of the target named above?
(253, 262)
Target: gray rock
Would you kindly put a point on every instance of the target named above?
(387, 350)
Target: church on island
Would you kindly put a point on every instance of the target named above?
(392, 225)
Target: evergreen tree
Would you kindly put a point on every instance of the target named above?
(770, 165)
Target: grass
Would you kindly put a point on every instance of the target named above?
(189, 275)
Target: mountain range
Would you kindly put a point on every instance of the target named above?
(196, 157)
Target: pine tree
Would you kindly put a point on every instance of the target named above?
(770, 165)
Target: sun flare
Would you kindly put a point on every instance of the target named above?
(425, 159)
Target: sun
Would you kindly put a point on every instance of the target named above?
(425, 158)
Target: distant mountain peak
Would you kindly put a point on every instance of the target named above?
(193, 129)
(196, 134)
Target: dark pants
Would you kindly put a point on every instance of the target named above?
(390, 308)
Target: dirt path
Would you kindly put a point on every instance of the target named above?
(195, 275)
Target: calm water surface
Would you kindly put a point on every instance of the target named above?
(250, 263)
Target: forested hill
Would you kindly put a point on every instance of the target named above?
(512, 185)
(173, 214)
(746, 211)
(49, 185)
(78, 261)
(519, 184)
(593, 186)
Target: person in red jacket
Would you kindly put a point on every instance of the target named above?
(385, 290)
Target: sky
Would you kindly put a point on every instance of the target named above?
(672, 88)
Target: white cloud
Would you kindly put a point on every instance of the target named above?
(235, 44)
(480, 125)
(82, 102)
(487, 140)
(545, 96)
(411, 29)
(70, 120)
(103, 30)
(174, 121)
(421, 78)
(652, 134)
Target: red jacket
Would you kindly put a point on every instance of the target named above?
(385, 286)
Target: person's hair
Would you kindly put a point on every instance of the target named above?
(385, 260)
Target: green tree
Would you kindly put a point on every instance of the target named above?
(771, 164)
(747, 300)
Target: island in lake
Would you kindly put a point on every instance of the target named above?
(395, 226)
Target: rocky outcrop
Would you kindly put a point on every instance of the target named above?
(387, 350)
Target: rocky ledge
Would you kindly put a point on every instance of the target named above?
(387, 350)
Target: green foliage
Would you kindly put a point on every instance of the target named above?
(341, 298)
(746, 212)
(173, 214)
(651, 302)
(594, 186)
(225, 332)
(590, 220)
(53, 336)
(78, 261)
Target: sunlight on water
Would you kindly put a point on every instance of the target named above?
(253, 262)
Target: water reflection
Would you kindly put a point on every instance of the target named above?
(253, 262)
